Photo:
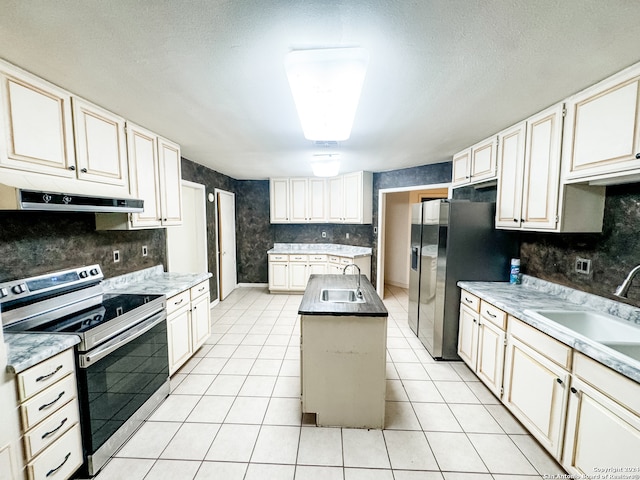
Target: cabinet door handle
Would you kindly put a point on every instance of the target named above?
(84, 170)
(72, 167)
(559, 380)
(638, 155)
(54, 470)
(515, 219)
(45, 435)
(44, 377)
(47, 405)
(475, 321)
(573, 390)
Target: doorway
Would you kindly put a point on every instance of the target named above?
(187, 243)
(226, 222)
(394, 228)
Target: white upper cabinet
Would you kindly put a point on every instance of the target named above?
(37, 130)
(602, 131)
(530, 196)
(476, 164)
(341, 199)
(101, 151)
(154, 177)
(279, 200)
(169, 166)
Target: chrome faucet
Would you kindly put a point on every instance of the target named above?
(622, 290)
(344, 271)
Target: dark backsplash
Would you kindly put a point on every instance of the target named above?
(615, 251)
(34, 243)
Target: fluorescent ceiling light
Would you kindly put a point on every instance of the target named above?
(326, 165)
(326, 86)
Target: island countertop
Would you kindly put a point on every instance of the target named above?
(312, 305)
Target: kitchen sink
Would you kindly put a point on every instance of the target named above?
(596, 326)
(340, 295)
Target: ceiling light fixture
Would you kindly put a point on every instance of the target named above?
(326, 85)
(326, 164)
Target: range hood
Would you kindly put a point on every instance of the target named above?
(20, 191)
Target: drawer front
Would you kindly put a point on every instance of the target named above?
(40, 376)
(48, 401)
(178, 301)
(470, 300)
(299, 258)
(50, 429)
(545, 345)
(334, 259)
(200, 289)
(60, 460)
(493, 314)
(278, 258)
(346, 261)
(317, 258)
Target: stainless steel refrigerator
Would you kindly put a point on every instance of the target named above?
(451, 240)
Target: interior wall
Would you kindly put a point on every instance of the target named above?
(396, 242)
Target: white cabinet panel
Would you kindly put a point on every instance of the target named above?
(475, 164)
(468, 336)
(170, 187)
(179, 338)
(37, 125)
(510, 183)
(200, 320)
(461, 168)
(298, 275)
(144, 174)
(101, 151)
(602, 131)
(298, 194)
(278, 275)
(279, 200)
(336, 199)
(317, 200)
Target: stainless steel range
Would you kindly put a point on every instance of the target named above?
(122, 358)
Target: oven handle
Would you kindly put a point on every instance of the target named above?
(86, 359)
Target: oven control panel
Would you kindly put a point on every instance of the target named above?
(41, 284)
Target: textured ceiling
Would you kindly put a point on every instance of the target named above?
(209, 75)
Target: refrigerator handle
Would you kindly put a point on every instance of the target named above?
(414, 258)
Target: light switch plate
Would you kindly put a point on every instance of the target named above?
(583, 265)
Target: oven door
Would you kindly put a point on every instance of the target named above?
(120, 383)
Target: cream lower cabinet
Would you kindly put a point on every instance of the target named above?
(603, 423)
(50, 418)
(536, 383)
(188, 324)
(481, 340)
(290, 273)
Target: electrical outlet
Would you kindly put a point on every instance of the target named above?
(375, 230)
(145, 251)
(116, 256)
(324, 234)
(347, 236)
(583, 265)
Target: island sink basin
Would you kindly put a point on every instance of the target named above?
(596, 326)
(340, 295)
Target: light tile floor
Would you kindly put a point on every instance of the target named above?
(234, 412)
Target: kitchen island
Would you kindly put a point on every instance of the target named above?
(343, 353)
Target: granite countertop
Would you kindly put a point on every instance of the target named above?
(154, 280)
(311, 304)
(25, 350)
(536, 294)
(320, 249)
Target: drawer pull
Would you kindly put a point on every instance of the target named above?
(47, 405)
(468, 300)
(178, 303)
(54, 470)
(491, 314)
(48, 434)
(201, 289)
(44, 377)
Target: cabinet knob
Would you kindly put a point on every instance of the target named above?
(573, 390)
(84, 170)
(72, 167)
(515, 219)
(638, 155)
(559, 380)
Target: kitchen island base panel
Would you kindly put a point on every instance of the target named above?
(344, 370)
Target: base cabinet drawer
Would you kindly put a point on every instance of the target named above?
(60, 460)
(48, 401)
(49, 430)
(48, 372)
